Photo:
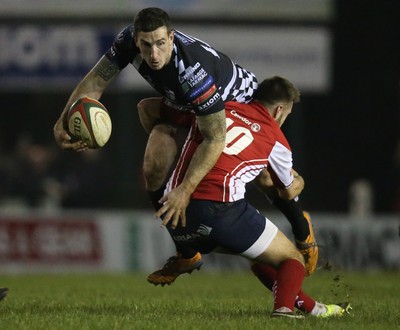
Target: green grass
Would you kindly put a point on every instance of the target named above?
(200, 301)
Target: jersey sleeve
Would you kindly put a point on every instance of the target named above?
(206, 98)
(280, 165)
(199, 68)
(123, 49)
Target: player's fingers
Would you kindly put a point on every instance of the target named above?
(61, 136)
(165, 213)
(175, 220)
(161, 211)
(164, 208)
(167, 217)
(65, 136)
(80, 146)
(65, 145)
(76, 146)
(183, 219)
(163, 199)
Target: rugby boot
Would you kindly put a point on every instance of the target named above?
(174, 267)
(336, 310)
(309, 248)
(286, 313)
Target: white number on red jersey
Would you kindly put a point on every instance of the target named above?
(238, 138)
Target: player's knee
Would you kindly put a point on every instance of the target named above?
(164, 131)
(153, 182)
(149, 112)
(154, 173)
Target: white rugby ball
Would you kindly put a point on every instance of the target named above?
(89, 121)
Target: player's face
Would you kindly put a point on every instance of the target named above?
(156, 47)
(282, 112)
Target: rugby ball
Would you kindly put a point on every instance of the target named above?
(89, 121)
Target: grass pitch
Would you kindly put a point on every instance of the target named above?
(202, 300)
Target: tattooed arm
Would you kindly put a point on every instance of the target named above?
(93, 86)
(213, 130)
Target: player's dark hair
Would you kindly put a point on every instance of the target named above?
(150, 19)
(277, 89)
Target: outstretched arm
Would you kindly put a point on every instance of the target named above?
(93, 86)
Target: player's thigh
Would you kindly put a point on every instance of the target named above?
(280, 249)
(149, 111)
(161, 147)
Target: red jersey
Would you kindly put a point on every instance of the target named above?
(253, 141)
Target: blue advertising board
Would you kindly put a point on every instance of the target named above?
(53, 56)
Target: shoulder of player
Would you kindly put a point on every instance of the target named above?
(252, 111)
(193, 47)
(257, 119)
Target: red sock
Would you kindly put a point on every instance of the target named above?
(289, 277)
(267, 275)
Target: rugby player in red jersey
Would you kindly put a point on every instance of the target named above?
(218, 217)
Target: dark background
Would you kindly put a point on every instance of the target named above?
(348, 134)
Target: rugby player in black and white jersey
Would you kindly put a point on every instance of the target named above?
(189, 74)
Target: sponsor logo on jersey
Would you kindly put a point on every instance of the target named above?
(210, 102)
(206, 95)
(253, 126)
(192, 76)
(188, 72)
(200, 89)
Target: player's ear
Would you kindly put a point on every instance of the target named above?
(171, 36)
(277, 111)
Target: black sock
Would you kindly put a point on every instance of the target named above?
(185, 251)
(293, 212)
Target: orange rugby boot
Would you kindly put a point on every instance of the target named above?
(309, 248)
(174, 267)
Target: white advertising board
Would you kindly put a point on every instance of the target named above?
(125, 241)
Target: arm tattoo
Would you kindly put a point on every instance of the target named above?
(106, 69)
(213, 127)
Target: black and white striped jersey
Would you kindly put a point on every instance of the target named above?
(198, 78)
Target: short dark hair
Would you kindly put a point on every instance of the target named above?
(150, 19)
(277, 89)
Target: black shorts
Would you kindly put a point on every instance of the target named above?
(236, 227)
